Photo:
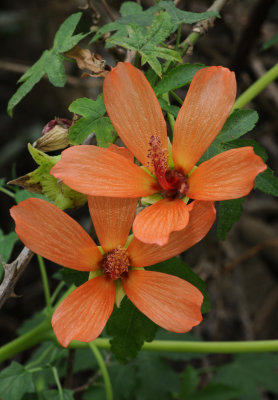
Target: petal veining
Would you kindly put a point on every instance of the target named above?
(84, 313)
(53, 234)
(155, 223)
(96, 171)
(206, 107)
(228, 175)
(170, 302)
(134, 110)
(201, 217)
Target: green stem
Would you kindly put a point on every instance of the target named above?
(45, 283)
(176, 97)
(255, 346)
(103, 369)
(8, 192)
(171, 119)
(178, 37)
(58, 383)
(29, 339)
(57, 291)
(257, 87)
(189, 41)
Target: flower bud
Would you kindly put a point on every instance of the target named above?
(54, 135)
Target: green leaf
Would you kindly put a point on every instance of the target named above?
(218, 147)
(21, 195)
(174, 110)
(55, 395)
(92, 120)
(178, 268)
(15, 380)
(238, 123)
(157, 379)
(64, 39)
(189, 383)
(229, 212)
(267, 182)
(177, 77)
(146, 41)
(30, 79)
(269, 43)
(123, 379)
(178, 16)
(258, 149)
(249, 372)
(216, 391)
(50, 62)
(40, 180)
(129, 329)
(55, 70)
(7, 243)
(131, 13)
(72, 277)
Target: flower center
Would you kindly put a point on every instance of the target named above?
(173, 183)
(115, 263)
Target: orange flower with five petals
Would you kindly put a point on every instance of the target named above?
(169, 301)
(137, 117)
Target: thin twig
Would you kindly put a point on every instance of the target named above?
(107, 8)
(12, 273)
(71, 80)
(250, 253)
(201, 27)
(70, 366)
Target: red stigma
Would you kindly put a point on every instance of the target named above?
(116, 262)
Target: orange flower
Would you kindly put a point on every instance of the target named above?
(170, 302)
(137, 117)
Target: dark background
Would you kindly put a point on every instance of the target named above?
(244, 294)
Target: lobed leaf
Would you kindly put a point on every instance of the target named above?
(179, 16)
(129, 329)
(92, 120)
(15, 381)
(50, 62)
(229, 212)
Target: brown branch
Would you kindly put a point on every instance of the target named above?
(12, 273)
(250, 253)
(107, 8)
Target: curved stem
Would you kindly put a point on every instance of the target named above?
(29, 339)
(45, 283)
(104, 371)
(257, 87)
(8, 192)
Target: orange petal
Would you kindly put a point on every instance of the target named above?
(122, 151)
(53, 234)
(201, 218)
(96, 171)
(170, 302)
(84, 313)
(228, 175)
(112, 218)
(206, 107)
(155, 223)
(134, 110)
